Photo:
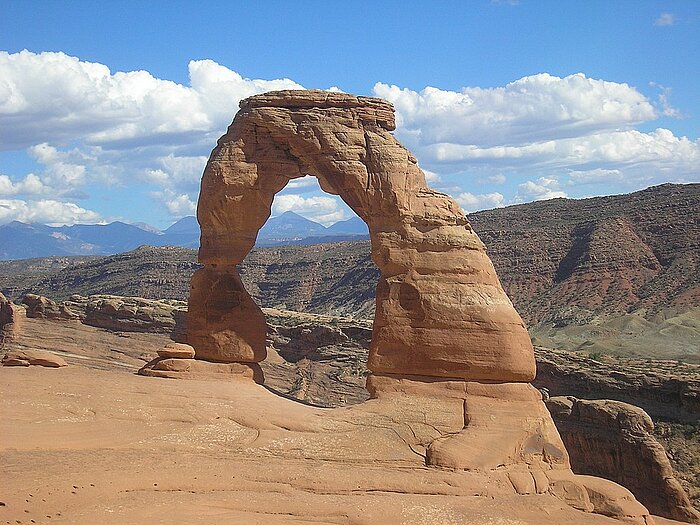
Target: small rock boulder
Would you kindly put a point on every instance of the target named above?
(33, 357)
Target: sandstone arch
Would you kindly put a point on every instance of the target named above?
(441, 311)
(450, 358)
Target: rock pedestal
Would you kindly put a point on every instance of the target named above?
(9, 320)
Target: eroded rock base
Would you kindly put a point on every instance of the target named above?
(506, 430)
(614, 440)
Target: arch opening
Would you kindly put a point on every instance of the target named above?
(316, 288)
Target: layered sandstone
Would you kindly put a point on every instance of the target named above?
(127, 314)
(441, 311)
(614, 440)
(41, 307)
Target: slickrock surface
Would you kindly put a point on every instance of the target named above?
(81, 446)
(614, 440)
(438, 293)
(101, 413)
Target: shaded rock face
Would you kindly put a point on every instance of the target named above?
(440, 309)
(614, 440)
(8, 320)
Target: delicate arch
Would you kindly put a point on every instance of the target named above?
(440, 309)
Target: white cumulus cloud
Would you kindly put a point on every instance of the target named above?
(540, 124)
(534, 108)
(29, 185)
(52, 97)
(43, 211)
(471, 202)
(177, 204)
(84, 124)
(325, 210)
(430, 176)
(542, 189)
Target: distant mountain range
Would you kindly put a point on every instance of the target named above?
(22, 241)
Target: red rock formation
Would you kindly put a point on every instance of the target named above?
(33, 357)
(8, 320)
(40, 307)
(441, 311)
(446, 339)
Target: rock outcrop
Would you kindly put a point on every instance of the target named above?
(124, 314)
(614, 440)
(40, 307)
(135, 314)
(664, 389)
(9, 320)
(177, 351)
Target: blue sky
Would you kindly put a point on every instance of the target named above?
(108, 110)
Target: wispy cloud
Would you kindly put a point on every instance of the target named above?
(665, 19)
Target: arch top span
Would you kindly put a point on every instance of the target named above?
(368, 109)
(440, 312)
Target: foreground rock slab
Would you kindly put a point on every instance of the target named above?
(112, 448)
